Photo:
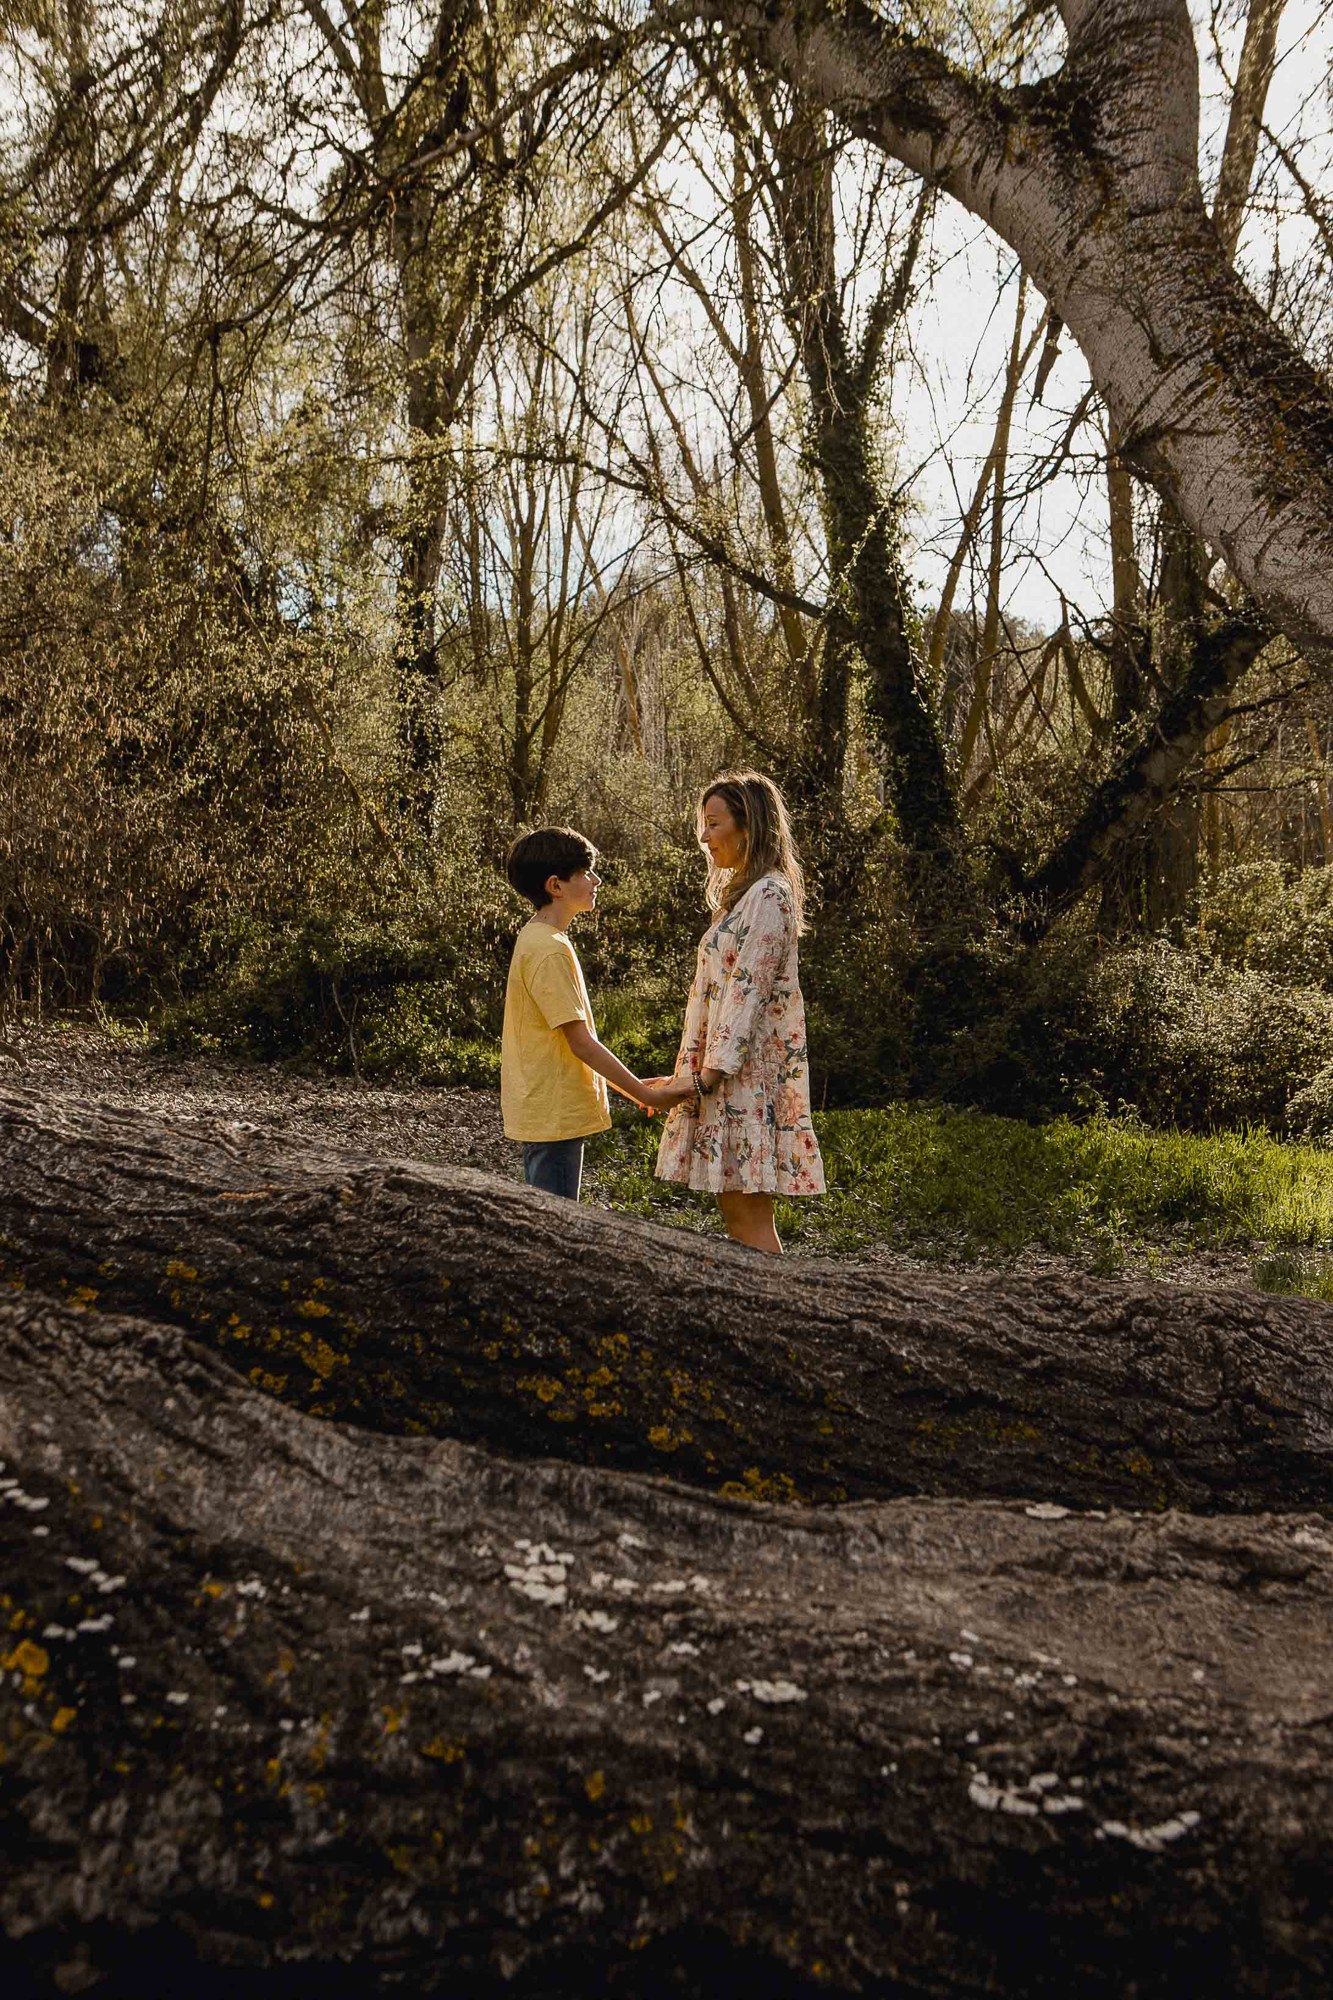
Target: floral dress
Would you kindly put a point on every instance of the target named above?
(745, 1016)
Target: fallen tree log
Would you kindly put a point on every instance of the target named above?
(411, 1298)
(285, 1703)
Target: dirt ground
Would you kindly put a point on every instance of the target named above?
(410, 1121)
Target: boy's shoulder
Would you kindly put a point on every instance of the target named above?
(537, 940)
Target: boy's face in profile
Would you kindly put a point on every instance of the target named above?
(570, 897)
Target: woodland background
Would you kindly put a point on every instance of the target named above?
(416, 424)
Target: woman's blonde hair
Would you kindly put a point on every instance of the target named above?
(759, 810)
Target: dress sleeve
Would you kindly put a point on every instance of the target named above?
(753, 955)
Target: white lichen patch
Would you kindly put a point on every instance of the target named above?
(1046, 1510)
(541, 1573)
(544, 1583)
(451, 1663)
(596, 1621)
(253, 1586)
(999, 1798)
(1025, 1800)
(597, 1674)
(717, 1704)
(83, 1565)
(963, 1660)
(684, 1648)
(628, 1541)
(754, 1736)
(772, 1692)
(1150, 1839)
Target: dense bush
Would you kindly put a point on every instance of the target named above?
(398, 991)
(1181, 1038)
(1262, 917)
(1198, 1044)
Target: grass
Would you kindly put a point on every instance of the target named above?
(962, 1186)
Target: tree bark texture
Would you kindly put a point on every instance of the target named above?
(411, 1298)
(1092, 176)
(289, 1708)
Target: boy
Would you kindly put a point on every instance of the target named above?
(553, 1069)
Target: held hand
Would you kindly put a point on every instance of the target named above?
(709, 1079)
(659, 1092)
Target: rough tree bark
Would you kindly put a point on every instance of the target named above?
(289, 1709)
(1092, 176)
(405, 1297)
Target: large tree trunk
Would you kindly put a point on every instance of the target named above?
(414, 1298)
(1092, 177)
(288, 1709)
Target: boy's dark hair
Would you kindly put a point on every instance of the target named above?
(551, 850)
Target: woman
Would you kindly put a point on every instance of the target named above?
(746, 1133)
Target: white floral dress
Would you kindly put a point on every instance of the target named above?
(745, 1016)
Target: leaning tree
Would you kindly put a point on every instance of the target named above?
(1091, 174)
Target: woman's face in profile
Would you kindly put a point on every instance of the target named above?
(720, 834)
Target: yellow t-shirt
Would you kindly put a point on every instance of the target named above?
(545, 1091)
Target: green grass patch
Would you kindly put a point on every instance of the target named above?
(963, 1186)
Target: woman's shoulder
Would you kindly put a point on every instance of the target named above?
(771, 888)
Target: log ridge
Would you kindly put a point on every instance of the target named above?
(406, 1297)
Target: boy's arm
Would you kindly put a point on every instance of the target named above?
(585, 1045)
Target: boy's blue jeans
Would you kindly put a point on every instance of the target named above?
(554, 1165)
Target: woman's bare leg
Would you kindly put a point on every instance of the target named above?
(749, 1220)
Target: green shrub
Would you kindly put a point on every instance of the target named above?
(1182, 1039)
(1259, 916)
(1194, 1043)
(400, 994)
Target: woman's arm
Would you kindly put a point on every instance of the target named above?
(765, 936)
(585, 1045)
